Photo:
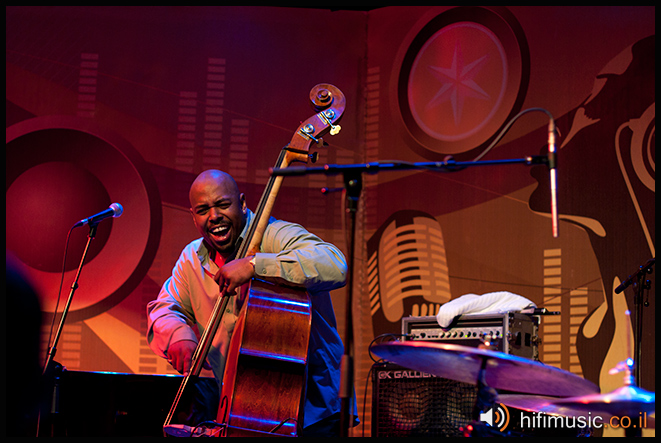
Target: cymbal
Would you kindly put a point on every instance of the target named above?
(627, 400)
(502, 371)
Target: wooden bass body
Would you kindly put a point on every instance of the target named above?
(264, 386)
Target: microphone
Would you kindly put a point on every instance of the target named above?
(115, 210)
(647, 267)
(552, 159)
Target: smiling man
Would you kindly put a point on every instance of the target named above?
(218, 209)
(288, 254)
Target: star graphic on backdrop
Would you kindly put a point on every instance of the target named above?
(457, 83)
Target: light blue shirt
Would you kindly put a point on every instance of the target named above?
(288, 253)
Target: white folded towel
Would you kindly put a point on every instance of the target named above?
(490, 303)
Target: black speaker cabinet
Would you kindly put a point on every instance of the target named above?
(408, 403)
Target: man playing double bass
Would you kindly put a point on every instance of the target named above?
(288, 253)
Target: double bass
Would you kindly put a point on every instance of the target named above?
(263, 389)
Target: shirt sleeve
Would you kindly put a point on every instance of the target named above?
(170, 317)
(292, 255)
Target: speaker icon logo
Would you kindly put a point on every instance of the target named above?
(497, 417)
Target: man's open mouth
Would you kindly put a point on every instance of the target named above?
(220, 233)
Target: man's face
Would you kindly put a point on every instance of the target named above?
(219, 212)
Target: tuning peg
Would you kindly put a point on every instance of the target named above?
(313, 157)
(328, 115)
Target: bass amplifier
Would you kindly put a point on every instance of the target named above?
(407, 403)
(510, 332)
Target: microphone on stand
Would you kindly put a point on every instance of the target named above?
(552, 160)
(115, 210)
(647, 267)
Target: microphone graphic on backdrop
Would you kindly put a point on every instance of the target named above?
(115, 210)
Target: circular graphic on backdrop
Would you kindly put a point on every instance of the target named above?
(60, 170)
(35, 217)
(464, 75)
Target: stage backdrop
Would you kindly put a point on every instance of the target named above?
(129, 104)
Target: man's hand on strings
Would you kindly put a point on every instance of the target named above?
(234, 274)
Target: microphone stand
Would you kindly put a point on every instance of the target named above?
(353, 185)
(640, 284)
(448, 165)
(52, 370)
